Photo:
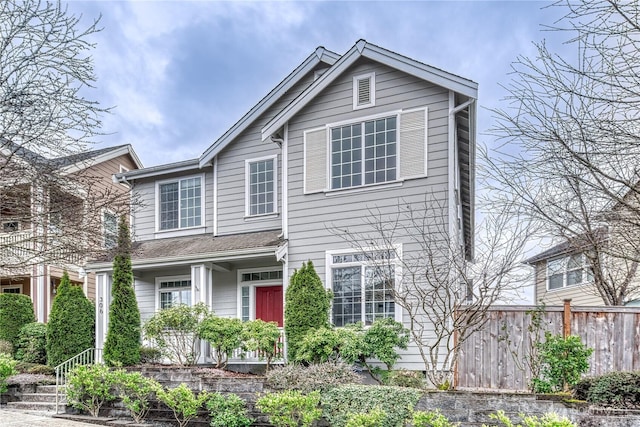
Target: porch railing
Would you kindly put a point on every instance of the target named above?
(239, 355)
(88, 357)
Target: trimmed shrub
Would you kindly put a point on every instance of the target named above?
(614, 389)
(183, 402)
(307, 306)
(371, 419)
(32, 343)
(396, 402)
(290, 408)
(228, 411)
(7, 368)
(6, 347)
(563, 363)
(150, 355)
(122, 345)
(16, 310)
(136, 390)
(404, 378)
(321, 377)
(174, 331)
(262, 337)
(431, 419)
(224, 335)
(550, 419)
(319, 346)
(71, 326)
(89, 387)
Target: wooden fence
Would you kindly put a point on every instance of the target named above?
(496, 356)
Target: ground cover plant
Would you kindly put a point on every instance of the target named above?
(183, 402)
(290, 408)
(321, 376)
(547, 420)
(431, 419)
(228, 411)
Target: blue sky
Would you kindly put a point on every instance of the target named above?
(180, 73)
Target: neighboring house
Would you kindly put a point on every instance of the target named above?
(55, 214)
(340, 134)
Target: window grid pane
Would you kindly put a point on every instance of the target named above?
(379, 282)
(261, 187)
(190, 202)
(380, 150)
(346, 156)
(347, 295)
(169, 206)
(245, 303)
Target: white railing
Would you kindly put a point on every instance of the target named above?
(88, 357)
(239, 355)
(16, 246)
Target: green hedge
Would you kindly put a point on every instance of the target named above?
(397, 403)
(16, 310)
(32, 343)
(615, 389)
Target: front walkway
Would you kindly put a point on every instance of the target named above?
(30, 419)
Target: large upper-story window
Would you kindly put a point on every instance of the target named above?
(110, 225)
(572, 270)
(362, 287)
(364, 153)
(377, 149)
(180, 203)
(261, 186)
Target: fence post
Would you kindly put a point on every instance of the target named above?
(566, 319)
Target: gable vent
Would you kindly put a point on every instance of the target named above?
(364, 91)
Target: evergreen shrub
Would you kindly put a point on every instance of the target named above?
(16, 310)
(228, 411)
(7, 368)
(32, 343)
(122, 345)
(613, 389)
(397, 403)
(223, 334)
(290, 408)
(71, 326)
(307, 305)
(321, 377)
(6, 347)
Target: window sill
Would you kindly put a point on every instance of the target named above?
(263, 217)
(180, 232)
(363, 188)
(570, 287)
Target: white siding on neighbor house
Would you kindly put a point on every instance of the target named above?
(311, 216)
(231, 172)
(146, 210)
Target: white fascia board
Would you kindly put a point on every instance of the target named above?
(311, 92)
(363, 49)
(116, 152)
(240, 254)
(187, 165)
(319, 55)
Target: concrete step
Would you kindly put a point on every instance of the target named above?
(48, 389)
(43, 397)
(34, 406)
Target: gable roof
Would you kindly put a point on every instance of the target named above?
(570, 246)
(363, 49)
(319, 55)
(71, 163)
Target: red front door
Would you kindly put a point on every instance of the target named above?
(269, 304)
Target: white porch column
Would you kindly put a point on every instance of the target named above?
(41, 289)
(201, 292)
(103, 301)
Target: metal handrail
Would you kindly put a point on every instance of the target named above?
(88, 357)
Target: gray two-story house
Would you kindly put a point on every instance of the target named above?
(340, 135)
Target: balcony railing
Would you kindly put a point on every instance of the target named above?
(18, 250)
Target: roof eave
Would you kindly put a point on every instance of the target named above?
(154, 171)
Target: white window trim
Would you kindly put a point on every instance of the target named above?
(161, 279)
(397, 265)
(16, 286)
(372, 90)
(247, 179)
(252, 288)
(565, 261)
(202, 203)
(10, 221)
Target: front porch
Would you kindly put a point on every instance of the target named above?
(242, 279)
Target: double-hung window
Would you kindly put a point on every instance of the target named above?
(110, 225)
(174, 291)
(261, 186)
(572, 270)
(364, 153)
(180, 204)
(363, 286)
